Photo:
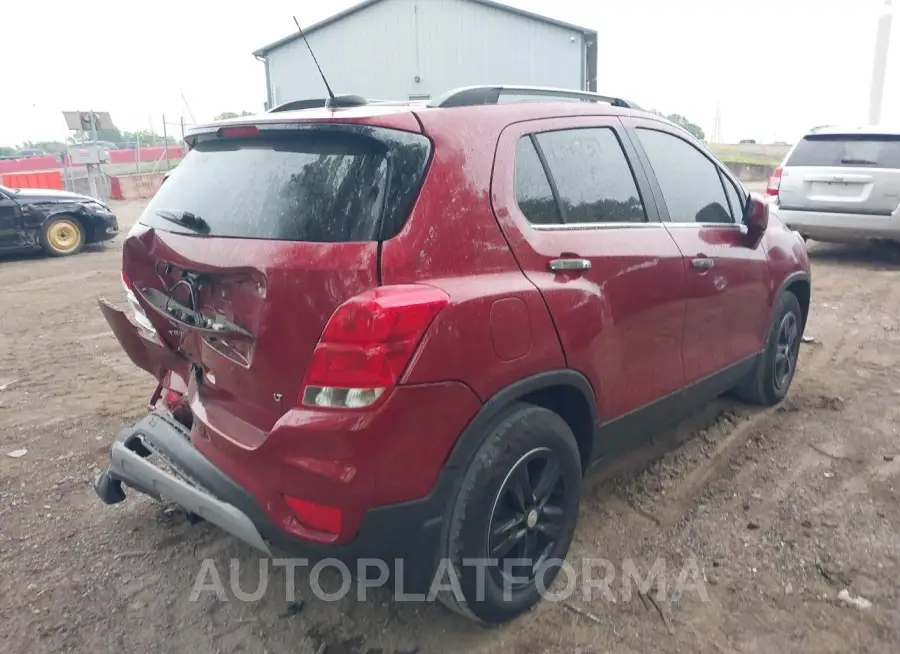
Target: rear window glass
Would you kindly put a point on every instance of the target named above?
(871, 151)
(316, 186)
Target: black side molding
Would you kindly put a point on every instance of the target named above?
(629, 431)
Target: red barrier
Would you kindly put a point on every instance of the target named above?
(115, 189)
(46, 162)
(147, 154)
(53, 162)
(51, 179)
(133, 187)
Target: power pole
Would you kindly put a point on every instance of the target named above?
(879, 66)
(717, 125)
(166, 143)
(191, 113)
(93, 170)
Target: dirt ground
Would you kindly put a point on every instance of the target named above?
(781, 509)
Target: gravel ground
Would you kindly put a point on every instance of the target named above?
(778, 510)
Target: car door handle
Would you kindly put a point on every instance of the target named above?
(702, 263)
(569, 264)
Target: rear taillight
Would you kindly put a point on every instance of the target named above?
(172, 398)
(774, 182)
(136, 309)
(367, 344)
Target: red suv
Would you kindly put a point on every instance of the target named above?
(407, 331)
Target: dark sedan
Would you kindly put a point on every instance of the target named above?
(58, 222)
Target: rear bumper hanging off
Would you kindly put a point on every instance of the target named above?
(128, 463)
(156, 457)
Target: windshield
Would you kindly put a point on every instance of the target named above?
(315, 186)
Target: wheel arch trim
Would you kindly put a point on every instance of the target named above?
(475, 432)
(794, 277)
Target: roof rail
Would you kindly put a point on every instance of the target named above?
(477, 95)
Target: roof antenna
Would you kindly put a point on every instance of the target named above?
(330, 92)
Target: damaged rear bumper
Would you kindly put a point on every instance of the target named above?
(156, 457)
(129, 464)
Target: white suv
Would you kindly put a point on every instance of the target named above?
(841, 185)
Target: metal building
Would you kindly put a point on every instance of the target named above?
(417, 49)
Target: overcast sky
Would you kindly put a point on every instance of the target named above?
(776, 67)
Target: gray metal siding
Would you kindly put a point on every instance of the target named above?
(379, 51)
(367, 53)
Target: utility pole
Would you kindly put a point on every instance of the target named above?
(87, 124)
(91, 169)
(717, 124)
(166, 143)
(879, 66)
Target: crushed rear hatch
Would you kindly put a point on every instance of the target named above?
(251, 244)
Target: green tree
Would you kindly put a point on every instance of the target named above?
(6, 151)
(695, 130)
(53, 147)
(113, 135)
(147, 138)
(144, 137)
(230, 114)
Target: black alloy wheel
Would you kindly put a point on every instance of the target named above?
(787, 348)
(527, 518)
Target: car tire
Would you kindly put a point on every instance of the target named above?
(526, 445)
(769, 381)
(62, 236)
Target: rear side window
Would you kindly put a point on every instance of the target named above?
(690, 183)
(864, 150)
(533, 192)
(592, 175)
(316, 185)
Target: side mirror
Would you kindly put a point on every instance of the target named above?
(756, 218)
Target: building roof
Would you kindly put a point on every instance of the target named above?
(368, 3)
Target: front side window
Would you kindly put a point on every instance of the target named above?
(690, 183)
